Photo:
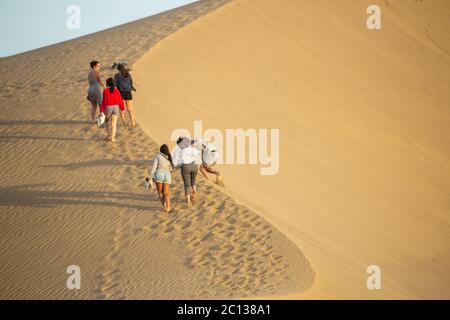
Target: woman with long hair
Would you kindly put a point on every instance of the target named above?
(112, 105)
(124, 83)
(94, 91)
(162, 174)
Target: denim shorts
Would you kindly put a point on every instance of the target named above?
(163, 177)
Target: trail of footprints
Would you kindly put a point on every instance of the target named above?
(226, 241)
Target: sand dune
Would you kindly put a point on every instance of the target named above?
(364, 129)
(67, 197)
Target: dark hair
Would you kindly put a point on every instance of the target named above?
(165, 150)
(94, 63)
(110, 84)
(124, 71)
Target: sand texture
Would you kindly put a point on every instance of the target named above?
(364, 121)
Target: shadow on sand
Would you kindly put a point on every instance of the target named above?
(14, 137)
(101, 163)
(42, 123)
(33, 196)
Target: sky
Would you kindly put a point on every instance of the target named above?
(29, 24)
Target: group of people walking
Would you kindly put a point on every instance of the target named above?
(115, 99)
(191, 156)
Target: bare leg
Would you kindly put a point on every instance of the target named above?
(193, 178)
(203, 172)
(211, 170)
(93, 111)
(159, 187)
(129, 104)
(114, 127)
(107, 124)
(217, 173)
(122, 116)
(194, 196)
(166, 191)
(185, 174)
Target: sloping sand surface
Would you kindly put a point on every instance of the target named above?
(364, 125)
(69, 198)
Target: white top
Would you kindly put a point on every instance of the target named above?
(210, 154)
(186, 156)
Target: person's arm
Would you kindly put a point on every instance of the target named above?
(202, 153)
(176, 157)
(172, 165)
(154, 166)
(197, 155)
(103, 105)
(121, 103)
(99, 79)
(131, 81)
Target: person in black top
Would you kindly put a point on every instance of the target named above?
(124, 82)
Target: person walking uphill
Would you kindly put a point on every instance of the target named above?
(210, 155)
(162, 174)
(124, 82)
(94, 94)
(187, 157)
(111, 103)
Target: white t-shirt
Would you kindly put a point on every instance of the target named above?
(186, 156)
(210, 154)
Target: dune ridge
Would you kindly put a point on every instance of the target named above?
(69, 198)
